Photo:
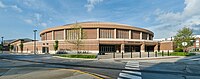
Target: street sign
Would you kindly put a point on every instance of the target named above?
(184, 43)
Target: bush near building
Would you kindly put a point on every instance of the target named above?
(77, 55)
(182, 54)
(177, 54)
(178, 50)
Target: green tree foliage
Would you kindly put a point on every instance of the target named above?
(184, 35)
(21, 46)
(56, 45)
(1, 47)
(11, 47)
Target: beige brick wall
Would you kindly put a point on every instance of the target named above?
(90, 33)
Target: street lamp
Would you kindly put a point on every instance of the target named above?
(34, 41)
(2, 44)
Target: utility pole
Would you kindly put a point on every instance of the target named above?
(34, 41)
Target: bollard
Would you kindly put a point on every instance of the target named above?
(131, 54)
(156, 54)
(122, 54)
(162, 53)
(148, 54)
(140, 54)
(168, 52)
(114, 55)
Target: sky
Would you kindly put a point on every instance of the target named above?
(18, 18)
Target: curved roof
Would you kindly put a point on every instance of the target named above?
(98, 25)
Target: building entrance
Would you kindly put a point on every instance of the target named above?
(45, 49)
(134, 48)
(107, 48)
(149, 48)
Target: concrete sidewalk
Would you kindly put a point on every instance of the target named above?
(45, 73)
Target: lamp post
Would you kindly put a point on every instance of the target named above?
(34, 41)
(2, 44)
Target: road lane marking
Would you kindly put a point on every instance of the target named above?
(131, 65)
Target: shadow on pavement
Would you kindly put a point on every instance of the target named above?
(185, 68)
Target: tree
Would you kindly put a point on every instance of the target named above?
(75, 36)
(184, 35)
(21, 46)
(1, 47)
(56, 45)
(11, 47)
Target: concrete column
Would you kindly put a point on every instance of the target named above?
(97, 33)
(64, 34)
(147, 36)
(156, 47)
(52, 35)
(115, 33)
(122, 48)
(140, 35)
(142, 47)
(129, 34)
(80, 33)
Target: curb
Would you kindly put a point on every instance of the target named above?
(74, 58)
(145, 58)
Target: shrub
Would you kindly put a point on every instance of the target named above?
(178, 50)
(76, 55)
(191, 54)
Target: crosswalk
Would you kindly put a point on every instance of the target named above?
(128, 74)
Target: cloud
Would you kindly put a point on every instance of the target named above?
(44, 24)
(91, 4)
(37, 21)
(2, 5)
(14, 7)
(29, 21)
(170, 22)
(38, 16)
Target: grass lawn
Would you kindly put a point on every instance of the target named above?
(88, 56)
(178, 54)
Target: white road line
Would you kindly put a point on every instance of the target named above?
(131, 65)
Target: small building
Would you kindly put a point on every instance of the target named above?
(16, 44)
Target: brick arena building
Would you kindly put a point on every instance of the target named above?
(99, 37)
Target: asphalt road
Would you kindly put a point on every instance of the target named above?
(106, 69)
(181, 68)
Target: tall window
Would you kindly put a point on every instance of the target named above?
(73, 34)
(144, 36)
(150, 37)
(43, 37)
(59, 35)
(135, 34)
(49, 35)
(124, 34)
(197, 42)
(106, 33)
